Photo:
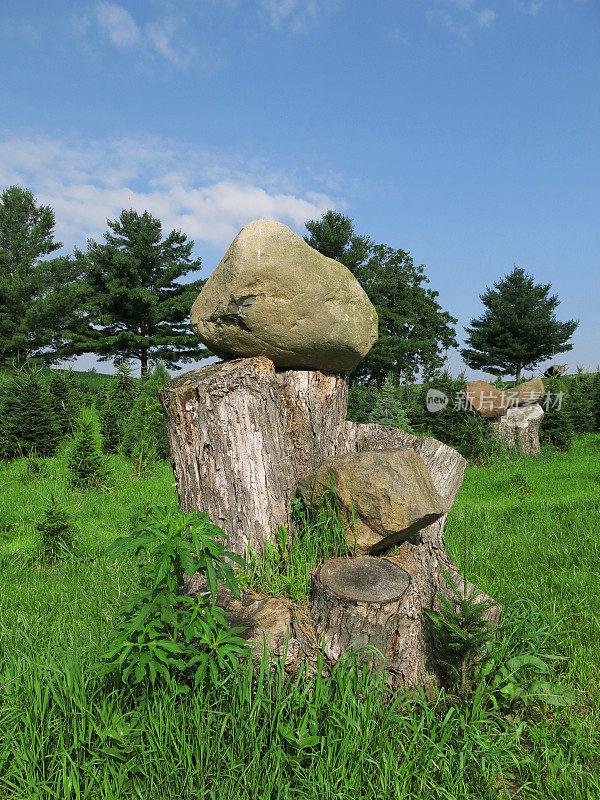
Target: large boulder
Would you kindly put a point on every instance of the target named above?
(273, 295)
(383, 497)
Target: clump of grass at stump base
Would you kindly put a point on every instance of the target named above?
(161, 634)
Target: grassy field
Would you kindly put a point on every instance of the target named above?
(533, 542)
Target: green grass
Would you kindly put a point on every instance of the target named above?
(533, 543)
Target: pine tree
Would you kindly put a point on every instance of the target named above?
(67, 400)
(461, 634)
(38, 296)
(518, 328)
(582, 403)
(56, 533)
(117, 408)
(557, 428)
(88, 468)
(145, 428)
(136, 304)
(27, 419)
(387, 409)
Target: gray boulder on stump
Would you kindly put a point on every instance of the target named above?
(384, 496)
(272, 295)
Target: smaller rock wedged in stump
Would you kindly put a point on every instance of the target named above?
(383, 496)
(370, 602)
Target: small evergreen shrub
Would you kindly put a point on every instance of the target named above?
(461, 634)
(27, 419)
(116, 409)
(596, 394)
(557, 426)
(88, 468)
(66, 400)
(388, 409)
(145, 436)
(581, 403)
(56, 533)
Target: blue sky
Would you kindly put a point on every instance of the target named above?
(465, 131)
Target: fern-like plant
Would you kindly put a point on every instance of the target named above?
(161, 633)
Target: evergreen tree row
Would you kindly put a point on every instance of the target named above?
(37, 414)
(571, 407)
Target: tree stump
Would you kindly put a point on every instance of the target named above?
(225, 425)
(241, 436)
(373, 603)
(521, 428)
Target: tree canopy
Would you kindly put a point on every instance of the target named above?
(136, 305)
(518, 328)
(414, 331)
(37, 295)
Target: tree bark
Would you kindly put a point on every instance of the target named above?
(372, 606)
(226, 429)
(241, 436)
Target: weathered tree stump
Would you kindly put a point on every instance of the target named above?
(373, 603)
(521, 428)
(241, 436)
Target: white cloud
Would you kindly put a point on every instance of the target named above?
(296, 15)
(162, 35)
(461, 17)
(118, 24)
(209, 197)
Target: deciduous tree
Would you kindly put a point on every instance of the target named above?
(414, 331)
